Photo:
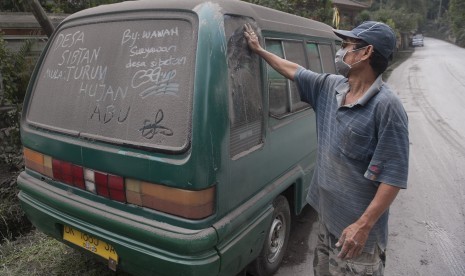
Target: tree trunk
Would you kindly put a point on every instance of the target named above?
(405, 40)
(41, 17)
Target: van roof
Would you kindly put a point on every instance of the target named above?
(268, 19)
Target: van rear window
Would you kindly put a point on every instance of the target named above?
(124, 82)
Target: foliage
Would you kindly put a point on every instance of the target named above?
(315, 9)
(457, 20)
(16, 68)
(13, 221)
(363, 16)
(15, 71)
(418, 6)
(444, 19)
(11, 5)
(55, 6)
(436, 9)
(72, 6)
(398, 19)
(408, 15)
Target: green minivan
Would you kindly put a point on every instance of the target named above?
(156, 140)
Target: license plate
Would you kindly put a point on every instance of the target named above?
(90, 243)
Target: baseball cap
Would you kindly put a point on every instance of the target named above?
(378, 34)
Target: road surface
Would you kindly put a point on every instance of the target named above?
(427, 223)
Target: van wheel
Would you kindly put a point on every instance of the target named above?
(274, 247)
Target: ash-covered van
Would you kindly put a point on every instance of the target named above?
(156, 140)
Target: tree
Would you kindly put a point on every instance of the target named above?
(457, 19)
(407, 14)
(17, 5)
(15, 71)
(398, 19)
(55, 6)
(436, 9)
(315, 9)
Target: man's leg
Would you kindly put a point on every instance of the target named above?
(326, 262)
(364, 265)
(367, 264)
(323, 251)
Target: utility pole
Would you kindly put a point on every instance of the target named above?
(41, 17)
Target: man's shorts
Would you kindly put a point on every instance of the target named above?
(326, 262)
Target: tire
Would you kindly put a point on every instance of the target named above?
(276, 240)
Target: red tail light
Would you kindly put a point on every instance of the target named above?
(101, 183)
(78, 177)
(116, 187)
(57, 171)
(67, 172)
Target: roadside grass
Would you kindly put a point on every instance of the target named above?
(26, 251)
(35, 254)
(13, 221)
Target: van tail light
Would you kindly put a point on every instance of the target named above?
(101, 182)
(57, 171)
(116, 188)
(68, 173)
(179, 202)
(89, 180)
(106, 185)
(78, 177)
(38, 162)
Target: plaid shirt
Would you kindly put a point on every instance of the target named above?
(359, 147)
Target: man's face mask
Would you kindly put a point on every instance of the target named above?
(342, 67)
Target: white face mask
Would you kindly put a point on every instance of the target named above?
(342, 67)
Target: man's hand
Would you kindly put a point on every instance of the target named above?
(284, 67)
(354, 237)
(252, 38)
(353, 241)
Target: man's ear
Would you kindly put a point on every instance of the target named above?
(368, 52)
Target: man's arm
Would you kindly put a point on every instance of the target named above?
(284, 67)
(354, 237)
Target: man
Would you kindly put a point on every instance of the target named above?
(362, 148)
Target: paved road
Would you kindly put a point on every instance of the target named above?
(427, 235)
(427, 222)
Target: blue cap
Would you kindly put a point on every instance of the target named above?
(378, 34)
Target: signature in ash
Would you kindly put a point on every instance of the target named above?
(151, 128)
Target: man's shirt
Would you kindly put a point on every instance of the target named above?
(359, 147)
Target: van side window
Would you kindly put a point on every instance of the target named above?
(327, 58)
(245, 95)
(277, 83)
(295, 52)
(284, 98)
(314, 57)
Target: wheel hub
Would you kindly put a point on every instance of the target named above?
(276, 239)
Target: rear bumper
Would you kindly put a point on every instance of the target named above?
(144, 247)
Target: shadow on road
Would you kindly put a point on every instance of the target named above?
(299, 241)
